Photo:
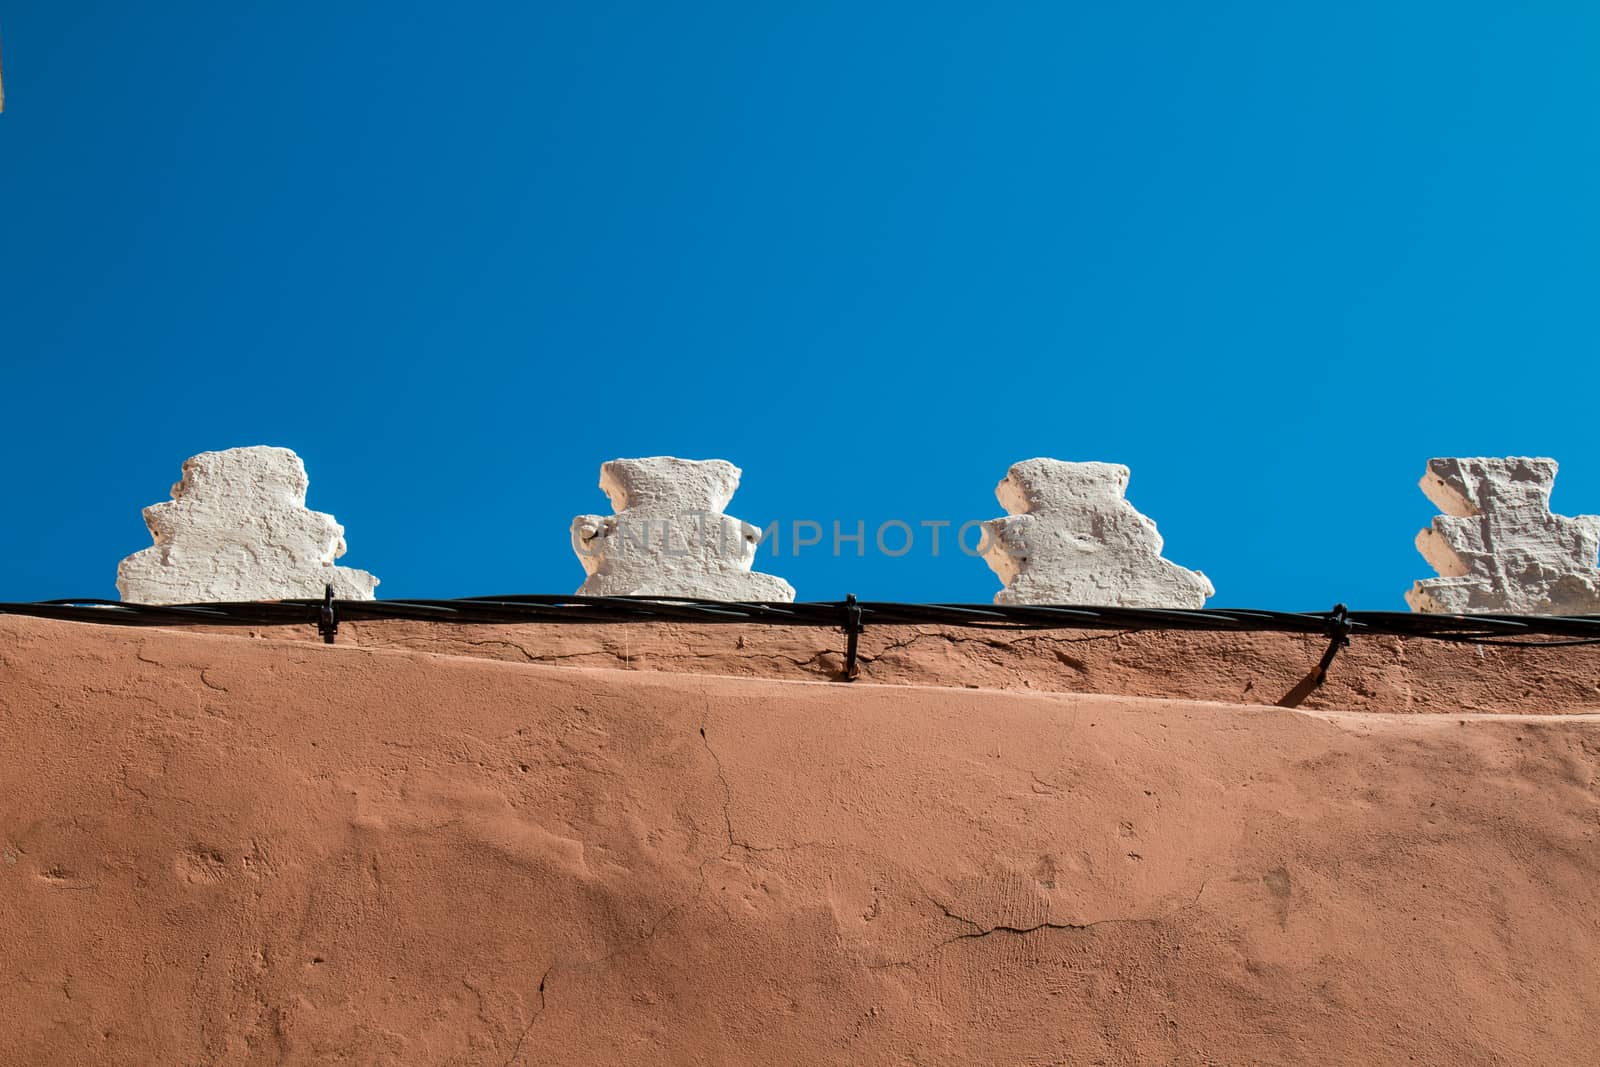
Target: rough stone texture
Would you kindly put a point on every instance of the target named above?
(1498, 548)
(1071, 538)
(237, 528)
(234, 852)
(669, 536)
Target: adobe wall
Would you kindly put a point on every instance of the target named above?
(1388, 674)
(232, 851)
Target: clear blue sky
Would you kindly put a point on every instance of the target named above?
(1271, 256)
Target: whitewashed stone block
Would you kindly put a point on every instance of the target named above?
(237, 529)
(1071, 538)
(1498, 548)
(669, 536)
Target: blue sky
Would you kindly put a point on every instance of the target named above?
(1271, 256)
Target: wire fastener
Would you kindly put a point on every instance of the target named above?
(1339, 629)
(853, 623)
(327, 618)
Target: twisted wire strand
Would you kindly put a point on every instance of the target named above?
(1514, 630)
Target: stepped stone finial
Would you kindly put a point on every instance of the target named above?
(1071, 538)
(237, 529)
(669, 536)
(1498, 548)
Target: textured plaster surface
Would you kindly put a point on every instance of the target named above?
(237, 529)
(229, 851)
(1072, 538)
(1498, 548)
(669, 536)
(1374, 674)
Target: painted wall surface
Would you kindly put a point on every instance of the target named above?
(246, 851)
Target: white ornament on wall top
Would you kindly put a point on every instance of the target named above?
(237, 529)
(669, 536)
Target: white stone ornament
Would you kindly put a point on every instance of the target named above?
(669, 536)
(237, 529)
(1071, 538)
(1498, 548)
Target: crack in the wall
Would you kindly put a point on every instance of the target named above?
(727, 790)
(812, 663)
(734, 841)
(990, 642)
(536, 658)
(980, 931)
(812, 660)
(604, 654)
(522, 1037)
(977, 930)
(700, 870)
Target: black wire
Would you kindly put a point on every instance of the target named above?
(1510, 630)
